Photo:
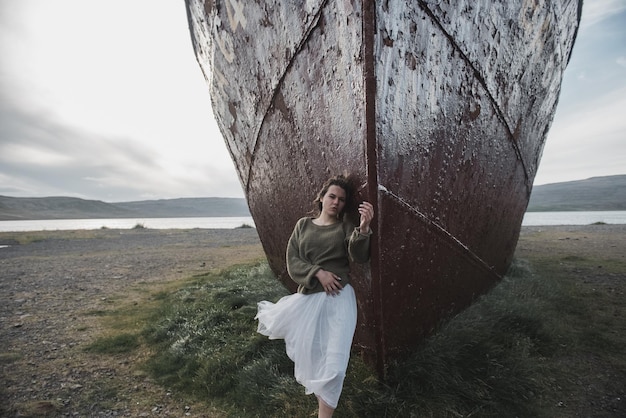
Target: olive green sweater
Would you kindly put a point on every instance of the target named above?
(313, 247)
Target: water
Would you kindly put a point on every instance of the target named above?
(530, 219)
(573, 218)
(126, 223)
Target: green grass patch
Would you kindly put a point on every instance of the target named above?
(29, 237)
(206, 344)
(98, 312)
(488, 359)
(114, 344)
(9, 357)
(525, 349)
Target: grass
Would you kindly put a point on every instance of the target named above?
(244, 226)
(114, 344)
(23, 238)
(29, 237)
(204, 333)
(538, 345)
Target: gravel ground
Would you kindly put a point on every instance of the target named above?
(53, 282)
(51, 290)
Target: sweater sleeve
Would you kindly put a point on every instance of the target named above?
(359, 246)
(301, 270)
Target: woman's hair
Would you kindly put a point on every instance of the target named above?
(342, 181)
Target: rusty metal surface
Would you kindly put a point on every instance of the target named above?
(440, 108)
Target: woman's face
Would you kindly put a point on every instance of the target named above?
(334, 201)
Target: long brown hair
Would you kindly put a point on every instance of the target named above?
(343, 181)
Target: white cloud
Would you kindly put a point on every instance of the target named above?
(111, 88)
(588, 141)
(26, 154)
(602, 115)
(104, 99)
(596, 11)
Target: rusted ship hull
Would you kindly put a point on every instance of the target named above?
(439, 108)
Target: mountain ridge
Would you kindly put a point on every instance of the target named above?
(592, 194)
(60, 207)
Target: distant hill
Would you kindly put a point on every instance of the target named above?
(596, 193)
(189, 207)
(24, 208)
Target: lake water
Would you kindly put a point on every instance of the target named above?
(126, 223)
(530, 219)
(573, 218)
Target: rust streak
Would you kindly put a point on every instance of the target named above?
(442, 232)
(305, 39)
(371, 147)
(483, 83)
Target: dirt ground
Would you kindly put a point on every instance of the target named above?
(50, 293)
(593, 259)
(602, 241)
(51, 287)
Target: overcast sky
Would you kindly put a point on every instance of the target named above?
(103, 99)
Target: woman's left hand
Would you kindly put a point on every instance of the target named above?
(366, 210)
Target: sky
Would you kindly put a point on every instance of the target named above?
(104, 100)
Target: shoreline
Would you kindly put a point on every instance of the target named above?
(137, 221)
(80, 233)
(546, 218)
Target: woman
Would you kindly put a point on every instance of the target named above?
(318, 322)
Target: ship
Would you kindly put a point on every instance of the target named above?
(438, 109)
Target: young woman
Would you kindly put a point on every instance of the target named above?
(318, 322)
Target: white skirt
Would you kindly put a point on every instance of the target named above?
(318, 331)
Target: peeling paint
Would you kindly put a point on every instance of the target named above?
(440, 110)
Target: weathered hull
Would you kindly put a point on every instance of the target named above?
(439, 108)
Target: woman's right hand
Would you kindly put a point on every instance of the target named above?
(329, 281)
(366, 212)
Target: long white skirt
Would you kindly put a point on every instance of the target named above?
(318, 331)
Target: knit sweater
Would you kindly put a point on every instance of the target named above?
(312, 247)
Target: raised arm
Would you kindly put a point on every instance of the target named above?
(359, 243)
